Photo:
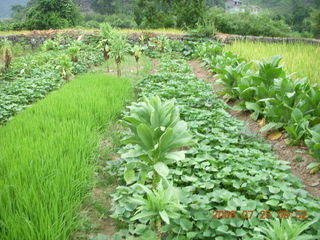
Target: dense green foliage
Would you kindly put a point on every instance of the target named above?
(43, 184)
(155, 14)
(54, 14)
(32, 77)
(316, 23)
(276, 18)
(248, 24)
(299, 58)
(223, 170)
(269, 92)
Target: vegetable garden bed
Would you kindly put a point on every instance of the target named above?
(222, 171)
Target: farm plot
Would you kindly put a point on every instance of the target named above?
(222, 170)
(32, 77)
(47, 157)
(270, 94)
(302, 59)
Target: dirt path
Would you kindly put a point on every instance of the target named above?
(296, 156)
(96, 211)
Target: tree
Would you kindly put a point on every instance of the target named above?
(103, 6)
(46, 14)
(316, 23)
(168, 13)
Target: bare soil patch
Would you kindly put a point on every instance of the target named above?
(295, 155)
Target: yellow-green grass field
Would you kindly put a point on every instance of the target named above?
(304, 59)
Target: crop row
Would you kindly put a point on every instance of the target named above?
(270, 93)
(46, 162)
(222, 169)
(32, 77)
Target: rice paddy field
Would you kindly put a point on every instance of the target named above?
(47, 157)
(303, 59)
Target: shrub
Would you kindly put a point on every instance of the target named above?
(52, 14)
(249, 24)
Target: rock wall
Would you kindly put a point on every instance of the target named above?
(226, 38)
(36, 38)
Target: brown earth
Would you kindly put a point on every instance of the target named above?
(295, 155)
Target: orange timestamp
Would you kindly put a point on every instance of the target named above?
(285, 214)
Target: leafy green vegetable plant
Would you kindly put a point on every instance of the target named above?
(157, 131)
(160, 205)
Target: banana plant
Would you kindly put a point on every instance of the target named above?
(65, 66)
(313, 143)
(136, 51)
(158, 134)
(158, 207)
(119, 47)
(7, 54)
(74, 53)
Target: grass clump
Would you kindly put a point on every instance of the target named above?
(46, 163)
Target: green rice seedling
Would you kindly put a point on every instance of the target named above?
(46, 161)
(297, 58)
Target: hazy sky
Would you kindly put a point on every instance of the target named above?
(5, 6)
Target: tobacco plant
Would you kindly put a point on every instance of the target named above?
(158, 134)
(159, 206)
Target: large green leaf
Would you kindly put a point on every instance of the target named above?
(162, 169)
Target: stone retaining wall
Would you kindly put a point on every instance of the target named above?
(36, 38)
(226, 38)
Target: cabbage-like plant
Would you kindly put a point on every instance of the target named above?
(158, 207)
(158, 134)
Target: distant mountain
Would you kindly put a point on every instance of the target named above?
(5, 7)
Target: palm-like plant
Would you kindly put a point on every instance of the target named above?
(137, 53)
(159, 206)
(158, 133)
(7, 54)
(65, 66)
(74, 53)
(119, 47)
(287, 230)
